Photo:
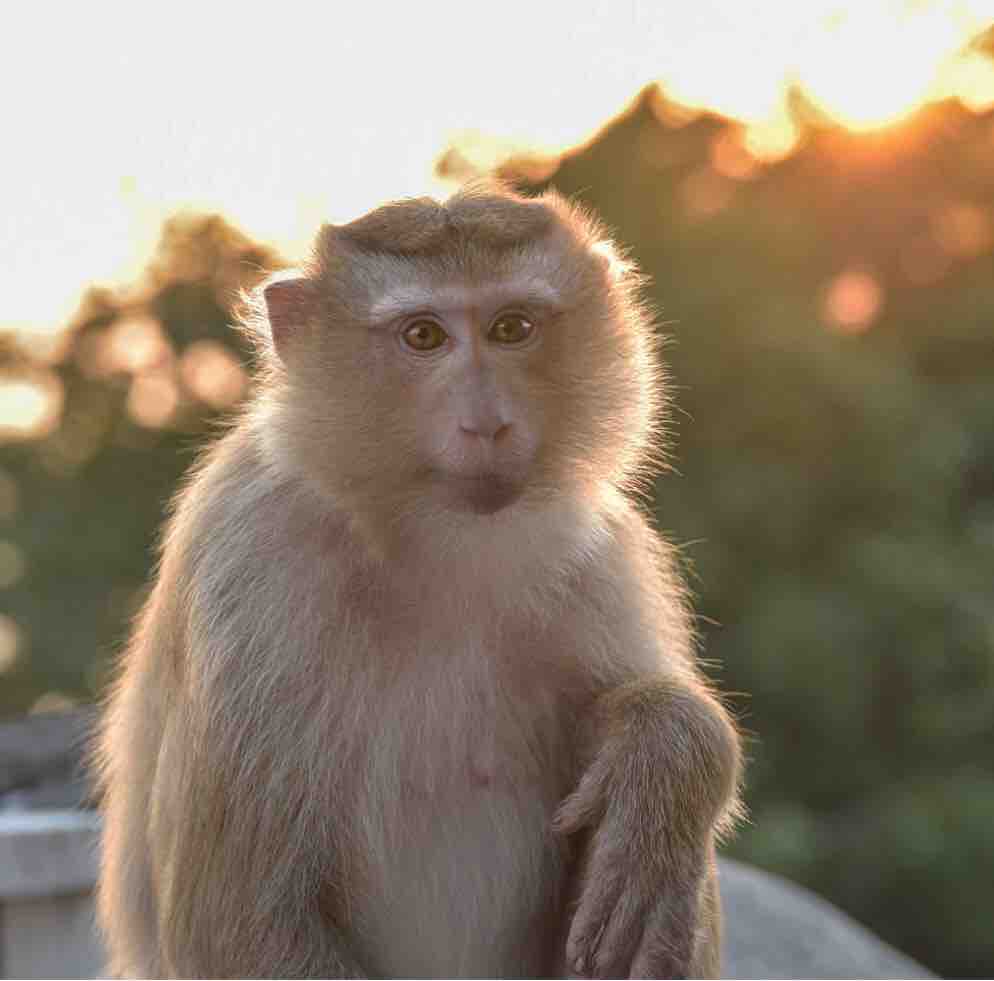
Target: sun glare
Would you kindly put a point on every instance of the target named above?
(876, 62)
(340, 120)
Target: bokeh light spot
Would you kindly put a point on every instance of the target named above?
(152, 399)
(30, 405)
(963, 229)
(852, 301)
(730, 158)
(12, 564)
(705, 193)
(133, 345)
(213, 374)
(52, 701)
(10, 642)
(659, 149)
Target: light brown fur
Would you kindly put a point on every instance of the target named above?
(378, 719)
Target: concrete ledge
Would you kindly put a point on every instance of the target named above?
(47, 853)
(54, 937)
(48, 866)
(43, 748)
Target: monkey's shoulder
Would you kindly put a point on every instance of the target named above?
(627, 606)
(235, 501)
(244, 540)
(633, 556)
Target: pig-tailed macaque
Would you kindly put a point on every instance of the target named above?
(415, 693)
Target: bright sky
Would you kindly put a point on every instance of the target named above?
(283, 115)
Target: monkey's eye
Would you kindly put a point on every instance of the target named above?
(511, 328)
(424, 335)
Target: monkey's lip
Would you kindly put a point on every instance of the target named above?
(486, 492)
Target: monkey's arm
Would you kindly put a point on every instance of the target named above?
(214, 864)
(240, 876)
(662, 764)
(662, 779)
(126, 760)
(244, 873)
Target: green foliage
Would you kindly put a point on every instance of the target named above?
(834, 490)
(86, 501)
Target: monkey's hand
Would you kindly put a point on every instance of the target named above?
(647, 805)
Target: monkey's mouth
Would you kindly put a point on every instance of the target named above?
(485, 493)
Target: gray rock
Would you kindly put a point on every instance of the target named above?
(47, 853)
(774, 929)
(48, 865)
(41, 760)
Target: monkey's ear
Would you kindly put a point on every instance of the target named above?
(289, 305)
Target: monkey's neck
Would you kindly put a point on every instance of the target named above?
(530, 548)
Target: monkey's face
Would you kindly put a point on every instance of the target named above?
(464, 363)
(467, 377)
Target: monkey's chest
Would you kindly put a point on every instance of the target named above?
(459, 869)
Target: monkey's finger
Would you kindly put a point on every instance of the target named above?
(601, 891)
(667, 941)
(585, 806)
(618, 942)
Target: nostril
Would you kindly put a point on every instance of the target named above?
(486, 432)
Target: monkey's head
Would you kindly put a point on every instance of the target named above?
(472, 356)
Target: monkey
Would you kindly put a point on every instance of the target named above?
(415, 690)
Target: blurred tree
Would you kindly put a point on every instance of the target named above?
(832, 356)
(831, 320)
(139, 380)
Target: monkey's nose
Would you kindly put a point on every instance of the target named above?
(490, 430)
